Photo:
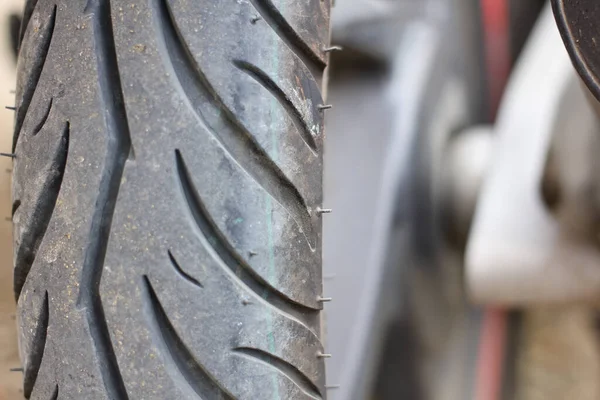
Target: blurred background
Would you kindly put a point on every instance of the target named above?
(434, 103)
(443, 110)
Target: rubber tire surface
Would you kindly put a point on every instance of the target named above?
(167, 190)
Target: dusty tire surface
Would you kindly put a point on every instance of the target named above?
(167, 186)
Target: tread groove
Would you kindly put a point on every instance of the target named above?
(234, 139)
(288, 35)
(118, 149)
(287, 369)
(227, 257)
(181, 272)
(37, 352)
(176, 353)
(15, 206)
(42, 214)
(55, 393)
(41, 124)
(34, 77)
(264, 80)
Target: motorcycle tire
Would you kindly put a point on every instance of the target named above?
(167, 188)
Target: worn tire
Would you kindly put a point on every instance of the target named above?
(167, 190)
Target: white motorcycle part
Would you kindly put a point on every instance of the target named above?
(518, 252)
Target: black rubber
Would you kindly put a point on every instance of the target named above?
(167, 189)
